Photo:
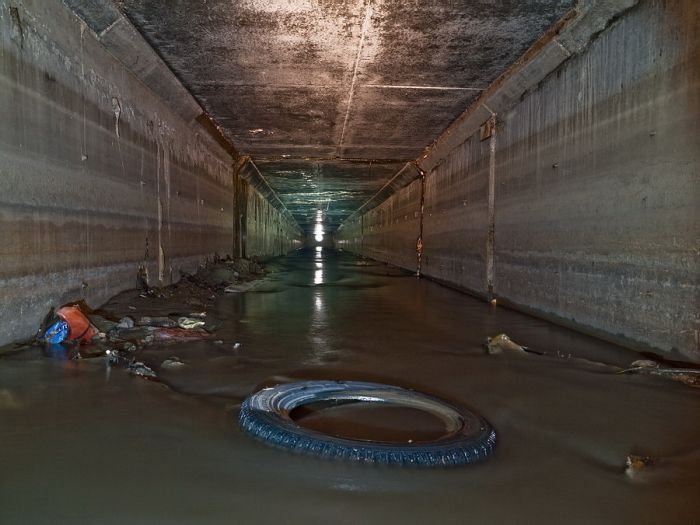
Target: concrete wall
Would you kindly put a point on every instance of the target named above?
(268, 233)
(455, 220)
(388, 232)
(596, 185)
(349, 236)
(98, 176)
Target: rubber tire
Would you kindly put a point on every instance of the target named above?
(266, 416)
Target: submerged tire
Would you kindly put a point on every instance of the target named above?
(266, 416)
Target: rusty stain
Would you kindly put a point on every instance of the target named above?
(486, 130)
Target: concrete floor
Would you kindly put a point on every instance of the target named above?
(83, 443)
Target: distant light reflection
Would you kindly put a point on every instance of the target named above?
(320, 350)
(318, 230)
(318, 277)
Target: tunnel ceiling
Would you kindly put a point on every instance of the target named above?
(315, 89)
(335, 187)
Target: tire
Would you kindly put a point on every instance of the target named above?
(266, 416)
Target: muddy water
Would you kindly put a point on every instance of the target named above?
(371, 422)
(83, 443)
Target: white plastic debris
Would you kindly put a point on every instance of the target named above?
(189, 323)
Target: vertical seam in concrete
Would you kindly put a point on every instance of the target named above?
(362, 234)
(161, 254)
(490, 241)
(83, 82)
(237, 215)
(419, 241)
(363, 32)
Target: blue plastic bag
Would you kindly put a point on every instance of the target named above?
(57, 332)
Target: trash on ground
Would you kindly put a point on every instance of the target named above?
(163, 322)
(266, 416)
(501, 343)
(179, 334)
(102, 324)
(90, 351)
(80, 327)
(224, 272)
(137, 333)
(159, 293)
(236, 346)
(172, 362)
(68, 323)
(190, 323)
(244, 267)
(687, 376)
(120, 357)
(241, 287)
(139, 368)
(57, 332)
(644, 363)
(635, 465)
(126, 322)
(139, 319)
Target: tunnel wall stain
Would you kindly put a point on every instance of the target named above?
(596, 220)
(98, 176)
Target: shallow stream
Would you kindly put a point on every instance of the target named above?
(81, 442)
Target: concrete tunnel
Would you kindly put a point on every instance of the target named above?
(528, 168)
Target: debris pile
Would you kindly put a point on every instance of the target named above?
(683, 373)
(143, 317)
(227, 273)
(635, 465)
(68, 323)
(502, 343)
(687, 376)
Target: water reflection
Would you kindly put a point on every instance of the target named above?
(318, 274)
(319, 347)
